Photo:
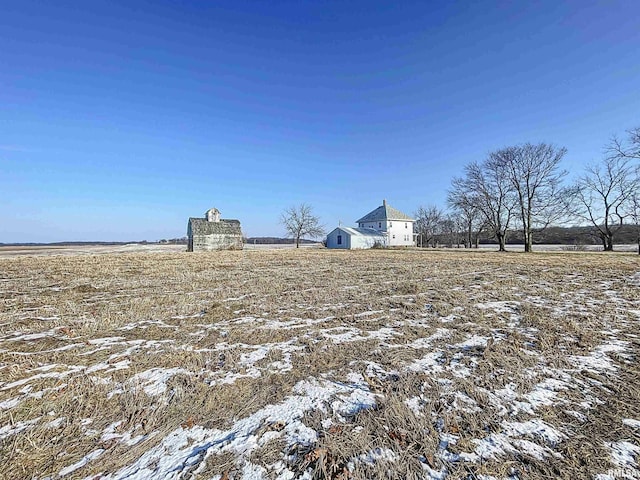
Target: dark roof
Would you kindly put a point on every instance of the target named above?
(200, 226)
(384, 212)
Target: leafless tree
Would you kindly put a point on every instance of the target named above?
(428, 224)
(629, 148)
(451, 226)
(494, 194)
(604, 195)
(534, 173)
(299, 221)
(465, 203)
(635, 215)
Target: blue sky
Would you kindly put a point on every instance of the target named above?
(120, 119)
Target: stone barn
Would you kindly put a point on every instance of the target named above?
(213, 233)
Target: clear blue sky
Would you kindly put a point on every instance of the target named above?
(120, 119)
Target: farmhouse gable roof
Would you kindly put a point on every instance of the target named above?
(383, 213)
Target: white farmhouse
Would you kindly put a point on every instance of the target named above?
(385, 226)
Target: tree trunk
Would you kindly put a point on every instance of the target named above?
(528, 242)
(297, 242)
(501, 242)
(609, 244)
(524, 239)
(528, 236)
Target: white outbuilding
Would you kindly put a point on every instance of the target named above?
(355, 238)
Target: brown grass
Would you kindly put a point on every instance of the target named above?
(330, 315)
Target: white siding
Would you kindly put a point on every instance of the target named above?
(351, 239)
(332, 239)
(362, 241)
(400, 233)
(380, 226)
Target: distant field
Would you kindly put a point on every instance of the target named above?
(310, 363)
(43, 250)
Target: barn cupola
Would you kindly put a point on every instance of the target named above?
(212, 215)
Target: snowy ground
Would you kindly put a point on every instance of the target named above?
(320, 364)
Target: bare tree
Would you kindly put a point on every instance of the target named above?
(629, 148)
(427, 224)
(534, 173)
(604, 194)
(451, 225)
(635, 215)
(496, 201)
(299, 221)
(465, 203)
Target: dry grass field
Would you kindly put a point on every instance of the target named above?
(315, 364)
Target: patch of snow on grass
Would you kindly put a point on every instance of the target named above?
(8, 430)
(368, 313)
(55, 423)
(415, 405)
(347, 335)
(624, 453)
(82, 462)
(10, 403)
(17, 383)
(185, 449)
(598, 361)
(474, 341)
(630, 422)
(431, 362)
(153, 381)
(373, 456)
(32, 336)
(499, 307)
(536, 428)
(439, 334)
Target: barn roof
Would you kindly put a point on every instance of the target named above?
(200, 226)
(383, 213)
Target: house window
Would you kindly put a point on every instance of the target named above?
(379, 224)
(390, 224)
(339, 239)
(394, 237)
(406, 225)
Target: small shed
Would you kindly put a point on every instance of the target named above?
(213, 233)
(355, 238)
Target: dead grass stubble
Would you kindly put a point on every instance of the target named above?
(205, 313)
